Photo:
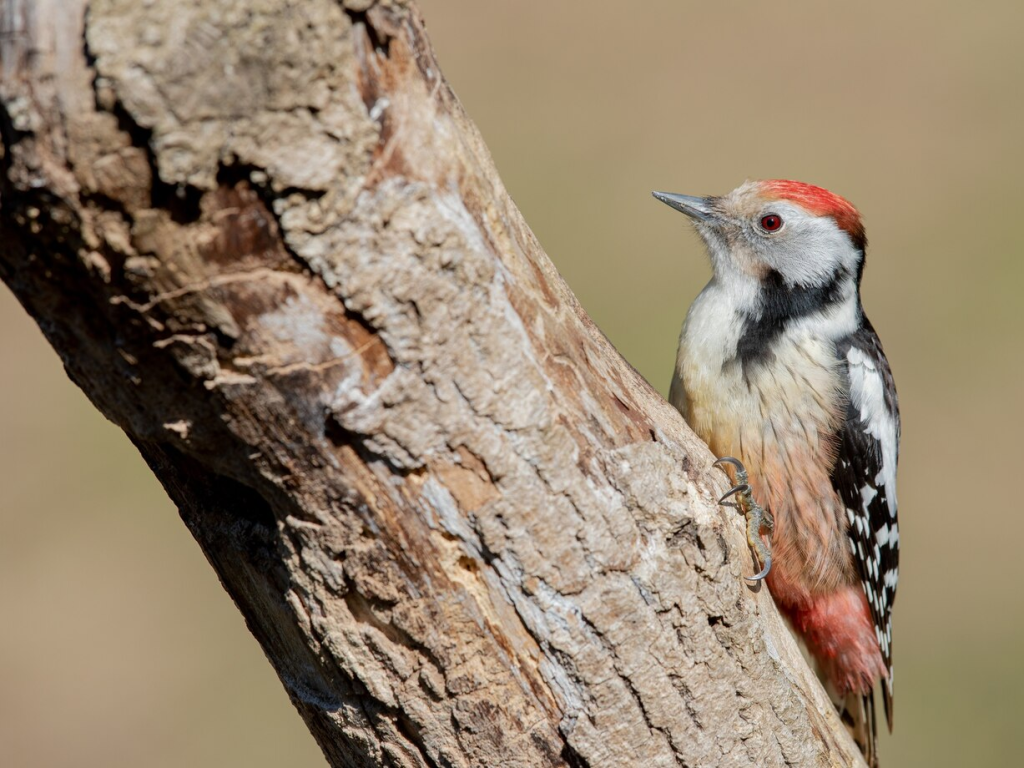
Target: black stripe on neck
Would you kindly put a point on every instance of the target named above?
(778, 305)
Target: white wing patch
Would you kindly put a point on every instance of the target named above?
(867, 393)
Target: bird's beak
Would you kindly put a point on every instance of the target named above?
(695, 207)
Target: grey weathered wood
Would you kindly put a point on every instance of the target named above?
(267, 243)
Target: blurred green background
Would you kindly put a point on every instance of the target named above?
(118, 646)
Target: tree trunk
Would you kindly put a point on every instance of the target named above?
(267, 243)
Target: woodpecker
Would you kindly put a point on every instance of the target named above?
(781, 373)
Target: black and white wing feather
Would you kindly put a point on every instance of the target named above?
(865, 478)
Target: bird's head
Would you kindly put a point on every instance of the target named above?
(781, 231)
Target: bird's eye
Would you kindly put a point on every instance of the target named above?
(771, 223)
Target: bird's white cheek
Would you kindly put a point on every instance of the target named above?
(813, 255)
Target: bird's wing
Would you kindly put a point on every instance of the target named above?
(865, 478)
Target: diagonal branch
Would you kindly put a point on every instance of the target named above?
(272, 248)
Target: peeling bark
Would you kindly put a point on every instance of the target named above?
(268, 244)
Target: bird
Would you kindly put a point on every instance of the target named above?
(781, 373)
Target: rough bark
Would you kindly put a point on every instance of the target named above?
(268, 244)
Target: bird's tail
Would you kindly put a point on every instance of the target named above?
(858, 713)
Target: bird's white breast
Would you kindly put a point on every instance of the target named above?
(797, 392)
(780, 416)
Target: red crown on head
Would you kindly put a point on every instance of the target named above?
(820, 202)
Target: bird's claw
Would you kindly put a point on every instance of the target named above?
(741, 488)
(758, 519)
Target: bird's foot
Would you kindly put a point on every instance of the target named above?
(759, 520)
